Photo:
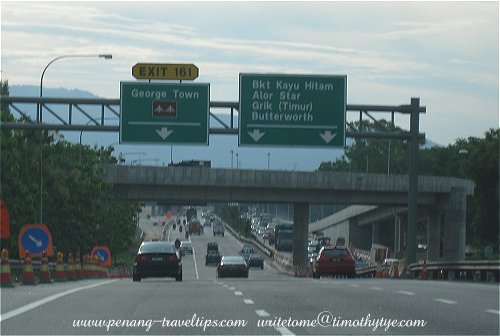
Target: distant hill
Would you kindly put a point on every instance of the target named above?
(223, 150)
(34, 91)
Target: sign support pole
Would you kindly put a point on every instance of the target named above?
(413, 182)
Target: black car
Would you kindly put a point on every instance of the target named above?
(157, 259)
(212, 246)
(212, 257)
(256, 260)
(232, 266)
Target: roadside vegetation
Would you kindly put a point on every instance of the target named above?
(76, 206)
(474, 158)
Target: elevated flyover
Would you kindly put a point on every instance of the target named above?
(199, 185)
(443, 198)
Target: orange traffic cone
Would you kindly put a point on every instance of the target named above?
(60, 276)
(425, 274)
(44, 269)
(78, 266)
(28, 275)
(6, 279)
(70, 271)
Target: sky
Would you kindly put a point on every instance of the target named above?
(445, 53)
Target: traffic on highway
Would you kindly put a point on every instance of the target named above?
(214, 287)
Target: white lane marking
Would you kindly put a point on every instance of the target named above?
(445, 301)
(231, 288)
(377, 288)
(493, 311)
(36, 304)
(262, 313)
(284, 331)
(354, 285)
(195, 264)
(405, 293)
(238, 293)
(225, 285)
(248, 301)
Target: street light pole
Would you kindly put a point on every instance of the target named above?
(39, 116)
(268, 160)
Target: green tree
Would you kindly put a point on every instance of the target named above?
(76, 204)
(372, 155)
(473, 158)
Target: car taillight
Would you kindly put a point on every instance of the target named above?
(222, 267)
(173, 258)
(139, 258)
(243, 267)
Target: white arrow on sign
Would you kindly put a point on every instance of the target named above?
(328, 136)
(164, 132)
(256, 135)
(37, 242)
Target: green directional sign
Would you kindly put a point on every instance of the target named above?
(292, 110)
(164, 113)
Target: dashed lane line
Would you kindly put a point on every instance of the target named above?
(405, 293)
(238, 293)
(284, 331)
(450, 302)
(248, 301)
(262, 313)
(195, 264)
(493, 311)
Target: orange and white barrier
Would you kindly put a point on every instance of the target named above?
(28, 275)
(6, 278)
(60, 275)
(77, 266)
(44, 269)
(70, 271)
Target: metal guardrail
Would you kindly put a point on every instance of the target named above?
(475, 270)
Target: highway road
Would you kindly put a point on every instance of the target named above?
(267, 303)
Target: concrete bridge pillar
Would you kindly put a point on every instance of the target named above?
(454, 225)
(434, 235)
(300, 233)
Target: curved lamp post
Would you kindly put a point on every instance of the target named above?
(39, 114)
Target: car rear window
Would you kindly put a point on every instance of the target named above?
(335, 253)
(157, 248)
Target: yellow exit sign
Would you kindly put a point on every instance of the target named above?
(165, 71)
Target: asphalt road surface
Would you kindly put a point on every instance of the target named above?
(267, 303)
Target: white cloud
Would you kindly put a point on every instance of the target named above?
(441, 52)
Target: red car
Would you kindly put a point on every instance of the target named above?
(334, 260)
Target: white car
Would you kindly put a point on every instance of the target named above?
(186, 246)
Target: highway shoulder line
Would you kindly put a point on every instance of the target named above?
(36, 304)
